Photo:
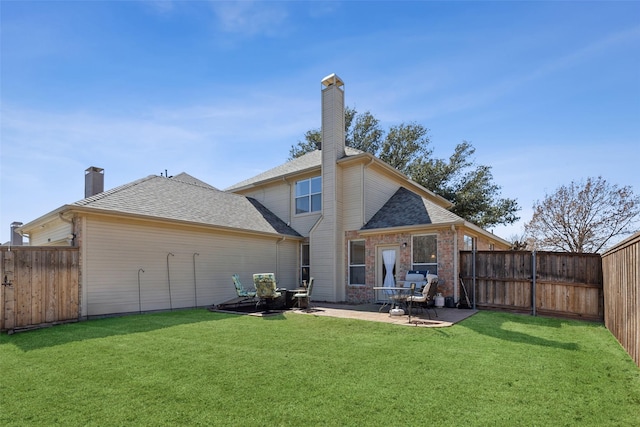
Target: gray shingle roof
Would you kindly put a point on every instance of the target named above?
(307, 161)
(188, 199)
(406, 208)
(192, 180)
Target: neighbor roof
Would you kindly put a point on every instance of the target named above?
(187, 199)
(406, 208)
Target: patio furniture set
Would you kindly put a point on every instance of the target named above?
(415, 292)
(419, 293)
(268, 295)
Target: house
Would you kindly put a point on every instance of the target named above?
(338, 214)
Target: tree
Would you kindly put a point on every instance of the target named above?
(519, 242)
(406, 147)
(583, 216)
(469, 186)
(364, 134)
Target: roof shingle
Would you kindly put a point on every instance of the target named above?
(406, 208)
(190, 200)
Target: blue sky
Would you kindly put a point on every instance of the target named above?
(547, 92)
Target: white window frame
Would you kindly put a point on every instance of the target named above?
(311, 196)
(432, 267)
(363, 266)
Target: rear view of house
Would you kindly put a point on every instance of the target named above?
(337, 214)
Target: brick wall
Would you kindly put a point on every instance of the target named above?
(362, 294)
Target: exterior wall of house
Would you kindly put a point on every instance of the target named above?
(483, 243)
(115, 251)
(280, 198)
(53, 233)
(446, 260)
(378, 190)
(353, 196)
(276, 197)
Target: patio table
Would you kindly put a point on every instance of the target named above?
(396, 294)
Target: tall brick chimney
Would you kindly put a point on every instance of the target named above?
(93, 181)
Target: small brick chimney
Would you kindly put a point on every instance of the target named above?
(93, 181)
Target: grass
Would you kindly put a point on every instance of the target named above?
(194, 367)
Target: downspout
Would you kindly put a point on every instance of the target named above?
(140, 270)
(169, 281)
(455, 263)
(282, 239)
(72, 241)
(195, 282)
(533, 282)
(473, 269)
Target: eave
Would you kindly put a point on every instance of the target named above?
(82, 210)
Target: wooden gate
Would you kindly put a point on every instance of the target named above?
(40, 286)
(564, 284)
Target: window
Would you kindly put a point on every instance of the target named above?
(468, 243)
(424, 254)
(309, 195)
(356, 262)
(305, 262)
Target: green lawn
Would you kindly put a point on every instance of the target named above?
(194, 367)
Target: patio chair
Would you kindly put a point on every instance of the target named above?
(426, 299)
(240, 290)
(306, 295)
(265, 284)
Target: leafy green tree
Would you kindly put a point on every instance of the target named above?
(362, 131)
(583, 216)
(406, 147)
(469, 186)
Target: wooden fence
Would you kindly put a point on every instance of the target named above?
(564, 284)
(39, 286)
(621, 271)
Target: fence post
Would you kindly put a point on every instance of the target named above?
(473, 269)
(8, 312)
(533, 282)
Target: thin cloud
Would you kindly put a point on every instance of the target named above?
(249, 18)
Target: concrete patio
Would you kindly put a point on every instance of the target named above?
(371, 312)
(446, 316)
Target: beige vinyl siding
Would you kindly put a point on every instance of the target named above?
(378, 189)
(287, 275)
(275, 197)
(303, 223)
(116, 250)
(352, 196)
(326, 250)
(339, 254)
(53, 233)
(280, 199)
